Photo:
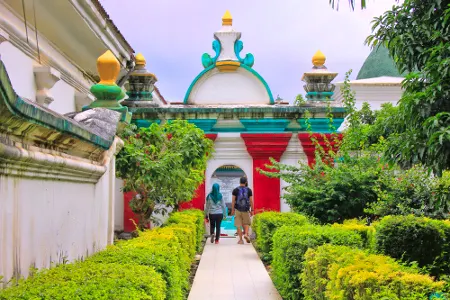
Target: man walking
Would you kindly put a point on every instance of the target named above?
(242, 202)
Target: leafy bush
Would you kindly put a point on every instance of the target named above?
(195, 219)
(289, 246)
(339, 272)
(265, 224)
(90, 280)
(155, 265)
(413, 191)
(415, 239)
(367, 233)
(155, 250)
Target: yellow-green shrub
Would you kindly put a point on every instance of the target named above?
(289, 246)
(90, 280)
(193, 217)
(367, 233)
(265, 224)
(339, 272)
(155, 265)
(160, 255)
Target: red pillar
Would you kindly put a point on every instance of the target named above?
(200, 194)
(309, 147)
(266, 191)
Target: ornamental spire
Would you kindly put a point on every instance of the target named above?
(227, 19)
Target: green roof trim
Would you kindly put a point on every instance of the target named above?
(378, 63)
(240, 109)
(14, 107)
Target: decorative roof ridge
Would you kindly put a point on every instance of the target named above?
(110, 22)
(14, 108)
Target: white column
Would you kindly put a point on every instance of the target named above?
(293, 154)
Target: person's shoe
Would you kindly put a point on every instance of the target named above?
(212, 238)
(217, 242)
(247, 239)
(241, 242)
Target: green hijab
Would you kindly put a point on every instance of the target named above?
(215, 194)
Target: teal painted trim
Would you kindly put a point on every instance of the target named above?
(248, 60)
(265, 125)
(229, 110)
(207, 60)
(262, 81)
(228, 129)
(319, 96)
(204, 124)
(145, 123)
(188, 93)
(13, 109)
(320, 125)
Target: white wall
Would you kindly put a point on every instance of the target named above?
(20, 70)
(119, 205)
(238, 87)
(229, 150)
(49, 221)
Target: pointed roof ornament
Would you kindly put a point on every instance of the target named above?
(319, 59)
(227, 19)
(140, 60)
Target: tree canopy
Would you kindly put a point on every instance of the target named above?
(417, 35)
(162, 165)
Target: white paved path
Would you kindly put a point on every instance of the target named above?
(229, 271)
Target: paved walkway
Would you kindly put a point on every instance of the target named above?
(229, 271)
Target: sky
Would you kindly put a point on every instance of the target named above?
(282, 35)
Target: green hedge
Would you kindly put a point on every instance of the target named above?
(415, 239)
(290, 244)
(367, 233)
(191, 216)
(89, 280)
(265, 224)
(339, 272)
(154, 265)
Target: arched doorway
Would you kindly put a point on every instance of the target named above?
(227, 176)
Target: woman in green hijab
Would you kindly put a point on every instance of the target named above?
(215, 211)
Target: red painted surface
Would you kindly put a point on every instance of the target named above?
(309, 147)
(266, 191)
(200, 194)
(128, 214)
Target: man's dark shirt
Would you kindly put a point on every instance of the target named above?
(236, 192)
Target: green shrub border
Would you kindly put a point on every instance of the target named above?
(155, 265)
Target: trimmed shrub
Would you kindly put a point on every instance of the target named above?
(154, 265)
(159, 255)
(339, 272)
(367, 233)
(290, 244)
(89, 280)
(414, 239)
(193, 217)
(265, 224)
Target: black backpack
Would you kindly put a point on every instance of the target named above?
(242, 199)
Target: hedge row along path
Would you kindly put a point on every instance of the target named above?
(229, 271)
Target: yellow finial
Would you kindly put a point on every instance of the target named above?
(108, 68)
(140, 60)
(319, 59)
(227, 19)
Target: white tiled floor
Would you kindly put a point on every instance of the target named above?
(229, 271)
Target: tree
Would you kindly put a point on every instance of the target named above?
(352, 3)
(417, 35)
(162, 165)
